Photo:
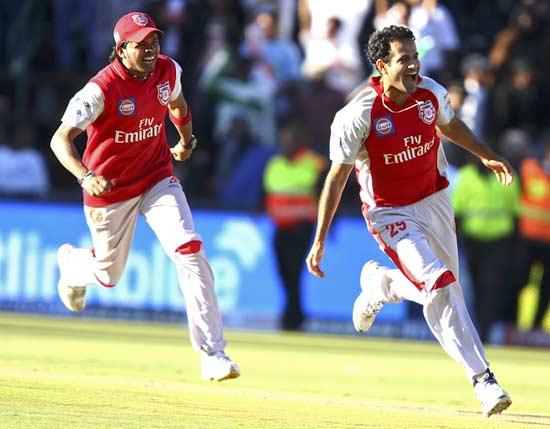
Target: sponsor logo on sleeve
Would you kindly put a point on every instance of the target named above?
(163, 92)
(127, 106)
(426, 111)
(383, 126)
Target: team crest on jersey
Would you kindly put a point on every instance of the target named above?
(163, 92)
(127, 106)
(383, 126)
(426, 111)
(140, 19)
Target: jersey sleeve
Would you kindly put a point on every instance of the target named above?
(348, 131)
(445, 112)
(177, 84)
(85, 107)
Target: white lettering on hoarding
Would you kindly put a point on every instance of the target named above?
(29, 273)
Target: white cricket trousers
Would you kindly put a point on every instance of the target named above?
(166, 211)
(420, 239)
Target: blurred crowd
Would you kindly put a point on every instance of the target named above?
(254, 67)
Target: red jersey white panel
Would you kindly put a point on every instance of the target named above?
(124, 119)
(396, 151)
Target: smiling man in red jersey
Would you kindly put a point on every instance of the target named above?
(389, 133)
(126, 170)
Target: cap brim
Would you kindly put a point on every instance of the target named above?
(141, 35)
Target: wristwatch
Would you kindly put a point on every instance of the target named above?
(191, 145)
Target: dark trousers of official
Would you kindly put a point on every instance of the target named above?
(291, 245)
(491, 270)
(530, 252)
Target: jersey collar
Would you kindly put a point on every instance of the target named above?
(124, 74)
(376, 84)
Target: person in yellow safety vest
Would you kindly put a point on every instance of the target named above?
(487, 214)
(534, 226)
(291, 184)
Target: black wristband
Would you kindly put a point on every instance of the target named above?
(191, 145)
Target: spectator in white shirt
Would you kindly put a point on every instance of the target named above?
(23, 171)
(436, 34)
(330, 56)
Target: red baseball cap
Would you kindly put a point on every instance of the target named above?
(134, 27)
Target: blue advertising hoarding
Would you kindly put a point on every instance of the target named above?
(238, 246)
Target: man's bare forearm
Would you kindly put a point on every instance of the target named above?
(459, 133)
(179, 109)
(64, 149)
(331, 195)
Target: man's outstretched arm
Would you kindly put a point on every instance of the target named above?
(328, 203)
(459, 133)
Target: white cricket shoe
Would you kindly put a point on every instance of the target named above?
(218, 366)
(73, 297)
(493, 398)
(369, 302)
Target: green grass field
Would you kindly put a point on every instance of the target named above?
(72, 373)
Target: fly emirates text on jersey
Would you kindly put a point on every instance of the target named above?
(147, 129)
(413, 149)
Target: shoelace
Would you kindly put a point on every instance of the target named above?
(492, 387)
(487, 385)
(487, 378)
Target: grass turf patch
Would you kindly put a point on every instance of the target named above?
(75, 373)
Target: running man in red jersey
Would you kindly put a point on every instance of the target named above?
(126, 170)
(389, 134)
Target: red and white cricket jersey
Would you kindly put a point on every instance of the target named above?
(396, 151)
(124, 119)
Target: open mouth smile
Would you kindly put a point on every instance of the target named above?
(411, 78)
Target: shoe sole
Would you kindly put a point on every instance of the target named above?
(499, 407)
(232, 374)
(67, 303)
(365, 295)
(358, 318)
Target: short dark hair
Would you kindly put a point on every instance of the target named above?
(378, 46)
